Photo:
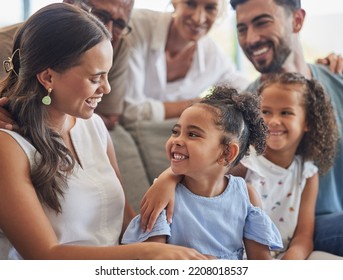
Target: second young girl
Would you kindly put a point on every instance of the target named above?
(302, 141)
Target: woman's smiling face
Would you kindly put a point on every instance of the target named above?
(77, 90)
(194, 18)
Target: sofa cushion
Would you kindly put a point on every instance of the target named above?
(150, 138)
(132, 171)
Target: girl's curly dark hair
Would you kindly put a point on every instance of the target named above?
(320, 142)
(239, 118)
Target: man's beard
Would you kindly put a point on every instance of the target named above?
(280, 55)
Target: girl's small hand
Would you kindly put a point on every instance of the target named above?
(154, 201)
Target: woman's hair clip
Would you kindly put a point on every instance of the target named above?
(8, 63)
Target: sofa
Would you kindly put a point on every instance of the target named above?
(141, 155)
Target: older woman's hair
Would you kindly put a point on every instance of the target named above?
(54, 37)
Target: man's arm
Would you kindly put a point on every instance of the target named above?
(174, 109)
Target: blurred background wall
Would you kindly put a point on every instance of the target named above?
(322, 32)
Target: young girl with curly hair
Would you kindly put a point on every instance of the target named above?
(301, 143)
(213, 213)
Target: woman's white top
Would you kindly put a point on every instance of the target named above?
(93, 202)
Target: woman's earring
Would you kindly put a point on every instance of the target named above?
(46, 100)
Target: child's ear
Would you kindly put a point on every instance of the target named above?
(230, 153)
(233, 152)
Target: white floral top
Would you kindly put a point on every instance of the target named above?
(280, 189)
